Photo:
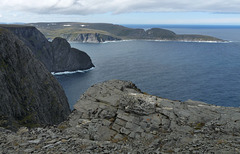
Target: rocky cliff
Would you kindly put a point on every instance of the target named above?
(101, 32)
(116, 117)
(55, 56)
(89, 37)
(67, 58)
(29, 95)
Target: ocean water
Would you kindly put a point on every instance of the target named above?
(208, 72)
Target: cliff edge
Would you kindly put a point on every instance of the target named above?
(29, 95)
(57, 56)
(116, 117)
(67, 58)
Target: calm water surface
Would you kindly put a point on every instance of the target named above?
(208, 72)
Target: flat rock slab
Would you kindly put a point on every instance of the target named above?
(143, 119)
(116, 117)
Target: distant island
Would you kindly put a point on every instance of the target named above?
(102, 32)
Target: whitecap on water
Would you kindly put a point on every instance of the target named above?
(72, 72)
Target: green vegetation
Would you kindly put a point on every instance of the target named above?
(29, 121)
(71, 31)
(62, 126)
(2, 30)
(199, 125)
(198, 38)
(14, 26)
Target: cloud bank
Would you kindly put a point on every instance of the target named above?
(85, 7)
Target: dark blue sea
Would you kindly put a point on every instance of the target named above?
(208, 72)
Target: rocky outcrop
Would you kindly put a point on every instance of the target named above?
(36, 41)
(29, 95)
(117, 111)
(70, 59)
(89, 38)
(116, 117)
(56, 57)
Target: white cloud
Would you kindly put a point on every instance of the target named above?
(81, 7)
(209, 21)
(0, 16)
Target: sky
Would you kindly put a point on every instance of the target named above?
(194, 12)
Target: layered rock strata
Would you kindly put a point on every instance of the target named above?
(116, 117)
(117, 111)
(89, 37)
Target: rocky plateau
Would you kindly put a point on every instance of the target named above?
(116, 117)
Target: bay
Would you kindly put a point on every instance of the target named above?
(208, 72)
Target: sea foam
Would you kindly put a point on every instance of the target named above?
(72, 72)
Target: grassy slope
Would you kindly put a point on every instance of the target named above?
(59, 29)
(3, 26)
(69, 30)
(72, 29)
(2, 30)
(10, 25)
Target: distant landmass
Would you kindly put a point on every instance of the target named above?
(102, 32)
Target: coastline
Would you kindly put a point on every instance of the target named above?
(128, 40)
(72, 72)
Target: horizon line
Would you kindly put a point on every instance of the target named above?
(235, 25)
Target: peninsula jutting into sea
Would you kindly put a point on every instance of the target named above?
(102, 32)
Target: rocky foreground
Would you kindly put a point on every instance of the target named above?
(116, 117)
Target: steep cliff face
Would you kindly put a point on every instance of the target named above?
(89, 38)
(29, 94)
(36, 41)
(71, 59)
(47, 51)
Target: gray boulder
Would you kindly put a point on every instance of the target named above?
(119, 112)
